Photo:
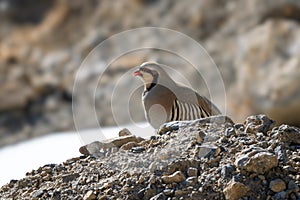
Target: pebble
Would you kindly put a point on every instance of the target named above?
(192, 171)
(89, 195)
(176, 177)
(277, 185)
(235, 190)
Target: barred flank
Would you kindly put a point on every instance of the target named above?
(185, 111)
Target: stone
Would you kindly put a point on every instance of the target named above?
(208, 151)
(277, 185)
(124, 132)
(138, 149)
(35, 195)
(192, 171)
(289, 134)
(259, 123)
(280, 196)
(191, 181)
(176, 177)
(258, 54)
(69, 177)
(256, 160)
(89, 195)
(293, 186)
(95, 148)
(159, 196)
(128, 146)
(200, 136)
(226, 171)
(235, 190)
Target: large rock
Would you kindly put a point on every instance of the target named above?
(256, 160)
(268, 73)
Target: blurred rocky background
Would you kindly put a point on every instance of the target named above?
(255, 44)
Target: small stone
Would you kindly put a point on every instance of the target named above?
(280, 196)
(168, 192)
(192, 171)
(180, 193)
(124, 132)
(235, 190)
(191, 181)
(176, 177)
(128, 146)
(138, 149)
(293, 186)
(69, 177)
(170, 126)
(226, 170)
(35, 195)
(159, 196)
(230, 131)
(277, 185)
(208, 151)
(200, 136)
(89, 195)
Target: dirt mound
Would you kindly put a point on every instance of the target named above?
(209, 158)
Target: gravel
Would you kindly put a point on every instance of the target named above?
(210, 158)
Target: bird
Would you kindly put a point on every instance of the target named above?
(164, 100)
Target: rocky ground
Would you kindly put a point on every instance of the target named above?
(210, 158)
(42, 44)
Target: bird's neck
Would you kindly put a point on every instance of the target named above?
(149, 86)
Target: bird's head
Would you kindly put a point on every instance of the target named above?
(151, 73)
(148, 72)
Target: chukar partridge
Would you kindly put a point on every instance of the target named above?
(165, 100)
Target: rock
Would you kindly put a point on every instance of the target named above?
(200, 136)
(280, 196)
(118, 142)
(69, 177)
(277, 185)
(192, 171)
(259, 123)
(128, 146)
(95, 148)
(148, 192)
(256, 160)
(159, 196)
(89, 195)
(124, 132)
(208, 151)
(258, 54)
(227, 170)
(176, 177)
(191, 181)
(35, 195)
(235, 190)
(289, 134)
(171, 126)
(168, 192)
(138, 149)
(293, 186)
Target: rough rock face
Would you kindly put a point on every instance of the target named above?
(42, 46)
(170, 166)
(268, 77)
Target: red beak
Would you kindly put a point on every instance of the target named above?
(137, 73)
